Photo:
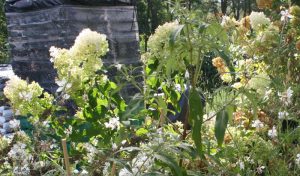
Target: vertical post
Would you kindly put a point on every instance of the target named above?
(66, 156)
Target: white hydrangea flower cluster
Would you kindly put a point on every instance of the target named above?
(21, 159)
(81, 61)
(160, 39)
(25, 97)
(258, 20)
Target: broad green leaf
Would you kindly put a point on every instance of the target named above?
(221, 125)
(170, 162)
(252, 98)
(196, 118)
(174, 35)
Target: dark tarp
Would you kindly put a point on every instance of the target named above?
(28, 5)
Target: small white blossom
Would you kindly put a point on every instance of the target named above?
(286, 97)
(27, 96)
(272, 133)
(260, 169)
(63, 85)
(118, 66)
(257, 124)
(68, 131)
(285, 15)
(297, 160)
(123, 142)
(114, 146)
(242, 165)
(113, 123)
(282, 115)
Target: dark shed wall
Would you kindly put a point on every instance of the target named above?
(31, 34)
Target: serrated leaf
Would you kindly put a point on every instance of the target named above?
(221, 125)
(196, 118)
(174, 35)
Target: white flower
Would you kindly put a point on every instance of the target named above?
(14, 124)
(282, 115)
(260, 169)
(114, 146)
(272, 133)
(187, 75)
(297, 160)
(75, 171)
(285, 15)
(118, 66)
(26, 95)
(257, 124)
(68, 131)
(66, 96)
(228, 22)
(113, 123)
(123, 142)
(105, 171)
(63, 85)
(237, 85)
(286, 97)
(242, 165)
(258, 19)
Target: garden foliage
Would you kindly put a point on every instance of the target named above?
(247, 124)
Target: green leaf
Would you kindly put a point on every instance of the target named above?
(174, 35)
(196, 118)
(141, 132)
(221, 125)
(170, 162)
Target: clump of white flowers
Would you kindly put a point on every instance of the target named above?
(160, 39)
(21, 159)
(258, 20)
(113, 123)
(282, 115)
(228, 22)
(79, 63)
(26, 97)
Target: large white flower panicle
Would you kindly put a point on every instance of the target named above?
(258, 20)
(25, 97)
(81, 61)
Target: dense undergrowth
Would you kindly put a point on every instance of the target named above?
(240, 119)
